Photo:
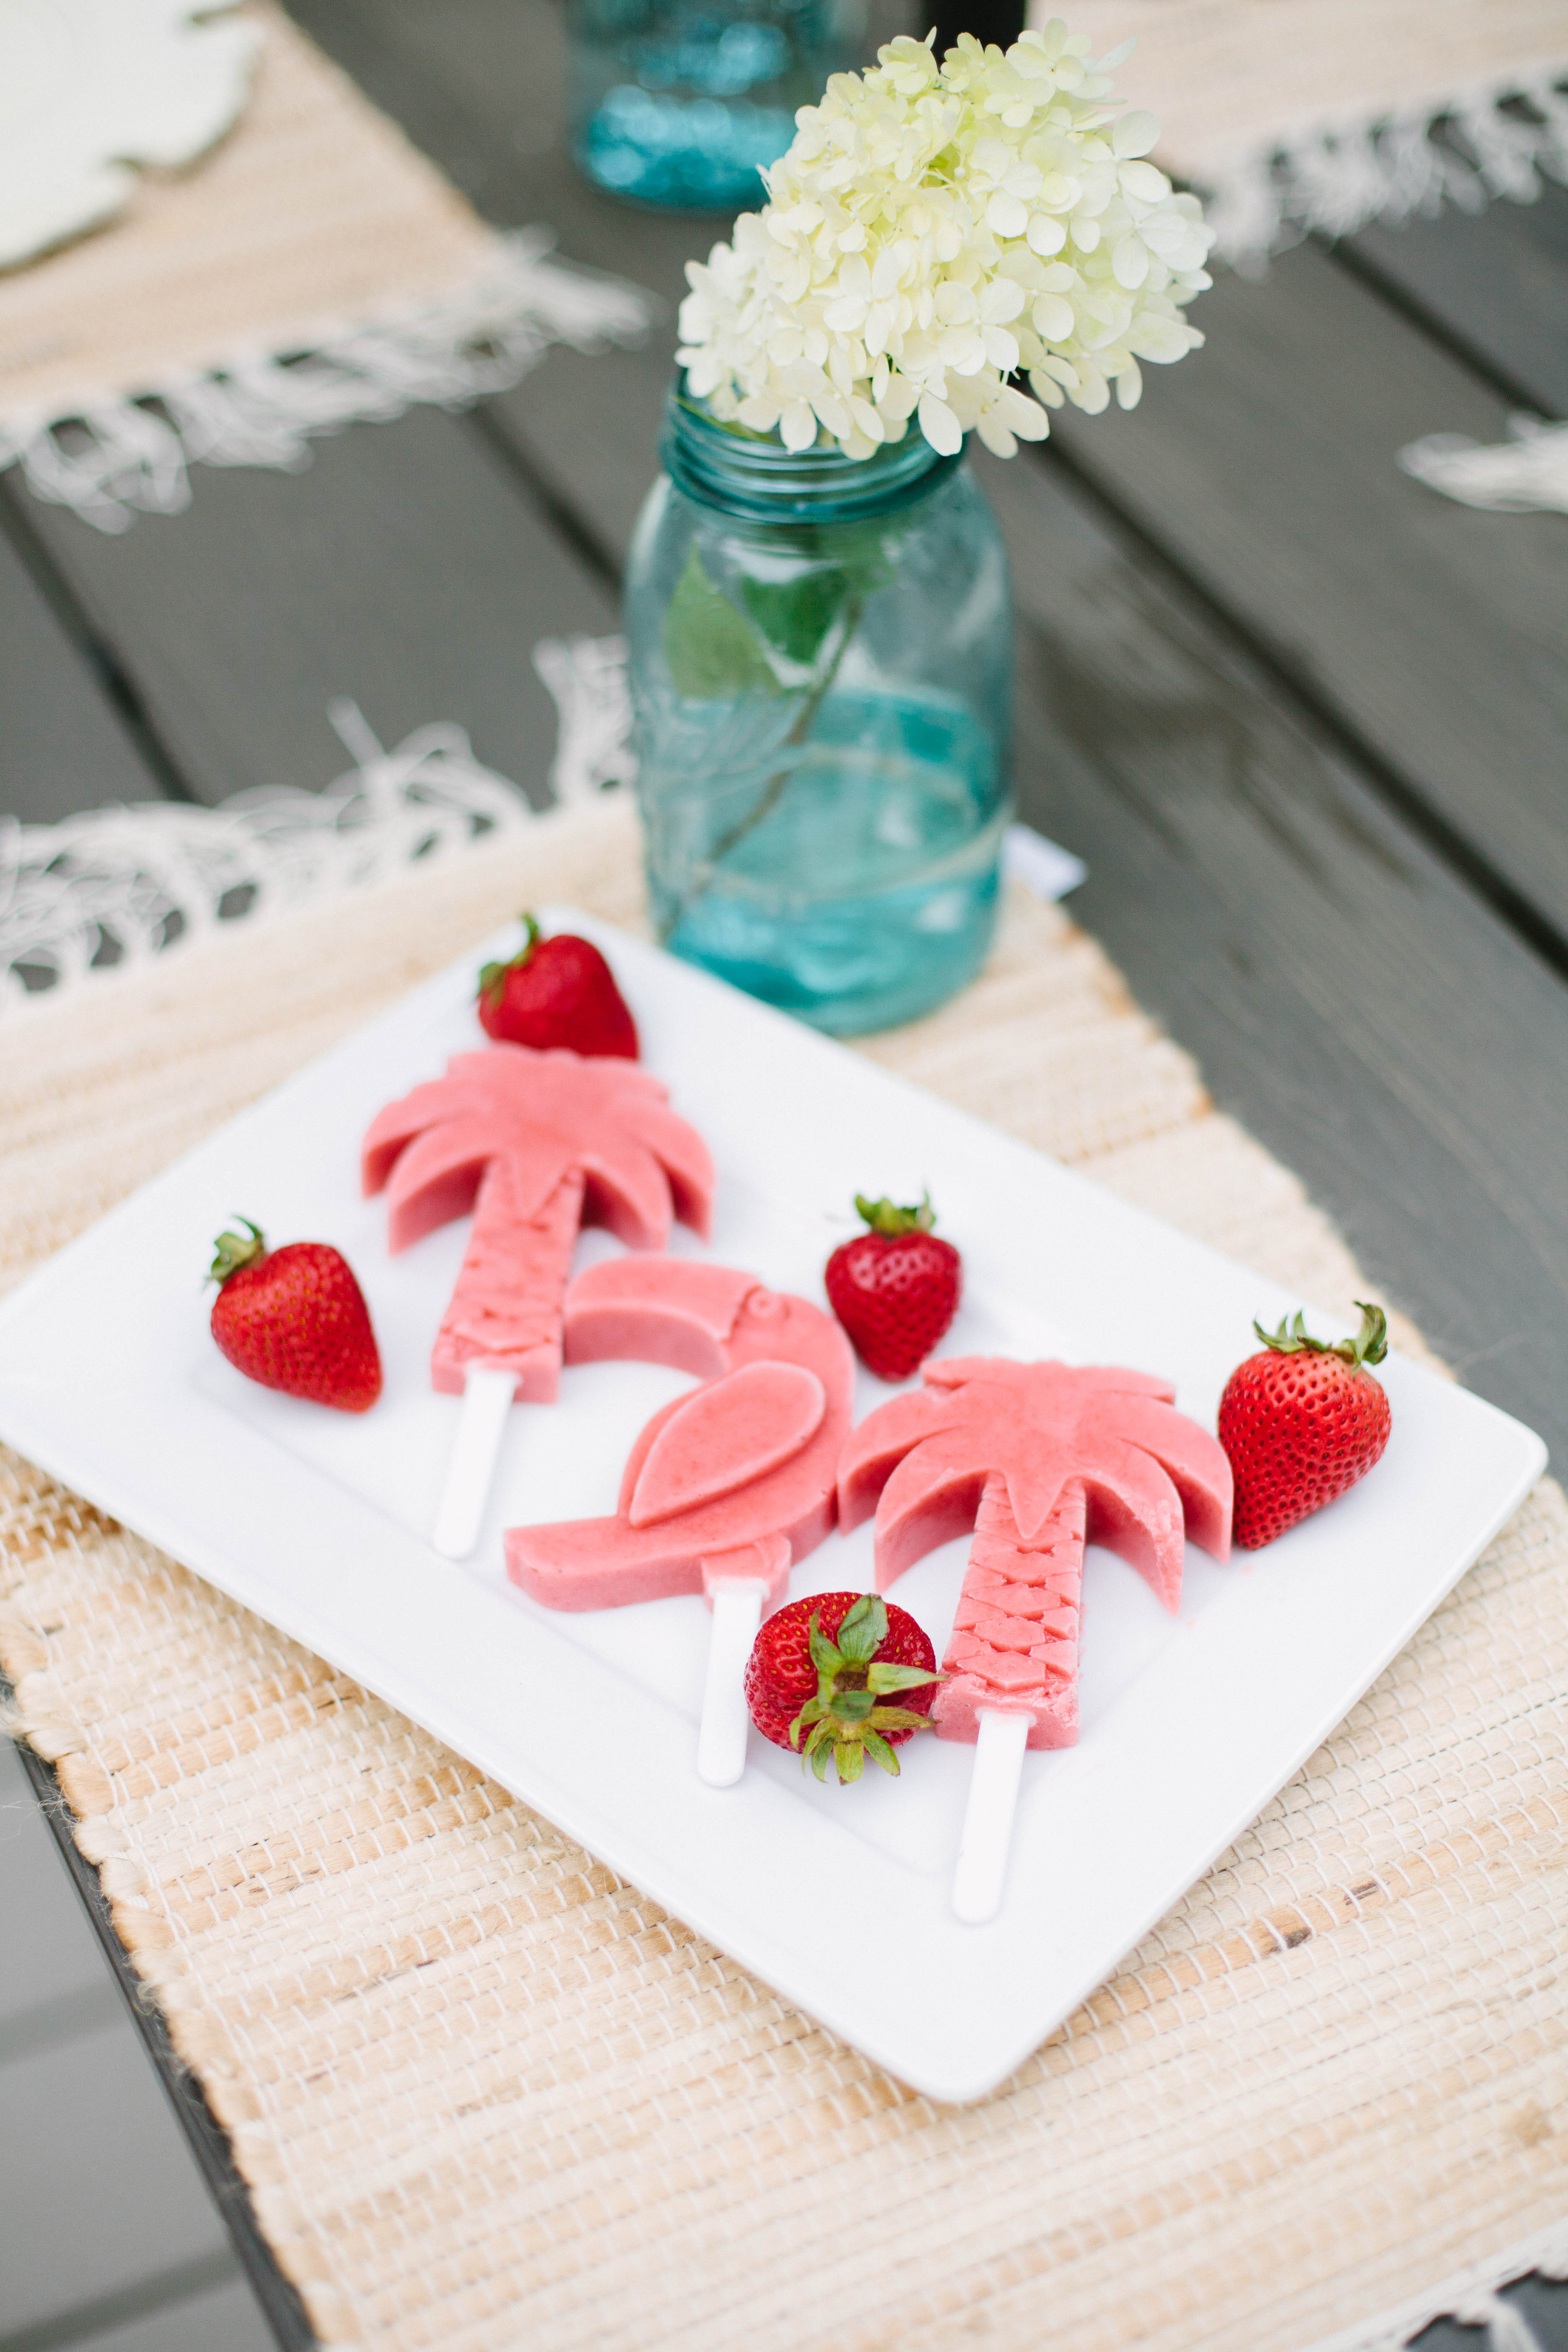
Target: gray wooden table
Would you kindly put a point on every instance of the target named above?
(1305, 721)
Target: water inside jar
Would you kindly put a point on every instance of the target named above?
(850, 881)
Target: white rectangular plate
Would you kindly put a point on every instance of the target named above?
(318, 1520)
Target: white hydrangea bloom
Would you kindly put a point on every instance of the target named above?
(935, 228)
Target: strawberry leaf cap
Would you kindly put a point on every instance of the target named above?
(1369, 1347)
(846, 1718)
(492, 976)
(885, 1216)
(235, 1250)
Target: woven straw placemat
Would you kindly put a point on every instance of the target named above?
(1223, 75)
(1269, 105)
(487, 2094)
(313, 212)
(313, 269)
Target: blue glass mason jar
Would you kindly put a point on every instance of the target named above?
(679, 103)
(821, 671)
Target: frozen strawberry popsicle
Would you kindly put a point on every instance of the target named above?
(726, 1487)
(1039, 1459)
(736, 1478)
(537, 1144)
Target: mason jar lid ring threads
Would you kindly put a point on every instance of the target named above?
(754, 477)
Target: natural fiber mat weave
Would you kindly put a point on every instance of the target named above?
(314, 228)
(486, 2094)
(1269, 105)
(313, 211)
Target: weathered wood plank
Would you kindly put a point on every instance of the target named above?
(62, 745)
(1265, 466)
(192, 2133)
(53, 1979)
(81, 2100)
(1543, 2305)
(89, 2134)
(1496, 281)
(222, 2319)
(1346, 996)
(406, 569)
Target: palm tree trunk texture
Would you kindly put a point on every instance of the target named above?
(1015, 1634)
(505, 1308)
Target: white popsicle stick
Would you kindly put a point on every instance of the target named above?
(488, 1392)
(721, 1740)
(987, 1836)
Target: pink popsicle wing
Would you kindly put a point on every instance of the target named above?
(728, 1436)
(741, 1469)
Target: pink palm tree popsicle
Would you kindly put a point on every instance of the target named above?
(537, 1145)
(1039, 1459)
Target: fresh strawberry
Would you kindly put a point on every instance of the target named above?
(295, 1320)
(556, 992)
(1301, 1421)
(821, 1670)
(895, 1287)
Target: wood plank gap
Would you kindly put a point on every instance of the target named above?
(1528, 923)
(555, 508)
(161, 2292)
(1450, 340)
(23, 536)
(49, 2023)
(207, 2140)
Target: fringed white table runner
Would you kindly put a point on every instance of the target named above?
(314, 270)
(119, 886)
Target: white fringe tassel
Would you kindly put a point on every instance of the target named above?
(587, 676)
(263, 410)
(104, 892)
(1520, 475)
(1472, 2298)
(1342, 176)
(116, 887)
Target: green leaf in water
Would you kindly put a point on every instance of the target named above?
(795, 615)
(712, 652)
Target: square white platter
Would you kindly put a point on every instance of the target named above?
(839, 1897)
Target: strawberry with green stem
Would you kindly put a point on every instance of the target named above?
(1302, 1420)
(295, 1320)
(556, 992)
(842, 1675)
(895, 1287)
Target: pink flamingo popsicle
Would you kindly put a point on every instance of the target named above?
(726, 1487)
(1039, 1459)
(537, 1144)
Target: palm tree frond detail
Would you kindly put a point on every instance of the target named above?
(537, 1145)
(1039, 1459)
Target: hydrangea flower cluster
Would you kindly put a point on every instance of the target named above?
(934, 229)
